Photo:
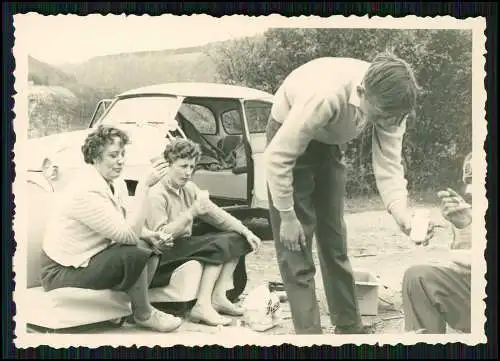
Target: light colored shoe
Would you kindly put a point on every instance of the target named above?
(160, 321)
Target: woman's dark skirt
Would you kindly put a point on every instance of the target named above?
(118, 267)
(209, 246)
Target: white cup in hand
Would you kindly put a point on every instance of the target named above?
(419, 226)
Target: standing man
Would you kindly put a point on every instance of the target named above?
(321, 105)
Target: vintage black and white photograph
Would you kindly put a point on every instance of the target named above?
(249, 180)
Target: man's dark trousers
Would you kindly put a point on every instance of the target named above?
(319, 178)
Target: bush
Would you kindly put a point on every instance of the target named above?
(438, 138)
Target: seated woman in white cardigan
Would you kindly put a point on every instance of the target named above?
(89, 243)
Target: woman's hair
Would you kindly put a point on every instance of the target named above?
(391, 82)
(180, 148)
(95, 142)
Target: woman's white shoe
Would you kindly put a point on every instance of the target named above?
(160, 321)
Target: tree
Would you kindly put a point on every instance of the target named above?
(437, 138)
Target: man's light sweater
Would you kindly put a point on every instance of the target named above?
(318, 101)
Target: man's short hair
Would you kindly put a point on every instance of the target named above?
(390, 81)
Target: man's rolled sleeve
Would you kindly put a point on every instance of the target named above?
(387, 148)
(291, 141)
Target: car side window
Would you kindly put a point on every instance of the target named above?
(231, 121)
(257, 113)
(201, 117)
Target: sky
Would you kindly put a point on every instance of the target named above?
(60, 39)
(71, 39)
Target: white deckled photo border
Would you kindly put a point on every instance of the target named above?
(23, 339)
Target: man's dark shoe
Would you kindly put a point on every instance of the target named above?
(353, 329)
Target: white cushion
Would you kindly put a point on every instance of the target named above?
(71, 307)
(40, 204)
(183, 286)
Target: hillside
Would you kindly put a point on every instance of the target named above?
(41, 73)
(65, 97)
(130, 70)
(57, 101)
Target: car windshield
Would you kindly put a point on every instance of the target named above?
(144, 110)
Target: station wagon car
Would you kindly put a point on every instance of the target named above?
(227, 121)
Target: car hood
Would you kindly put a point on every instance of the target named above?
(56, 147)
(65, 148)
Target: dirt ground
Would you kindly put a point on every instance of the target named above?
(374, 243)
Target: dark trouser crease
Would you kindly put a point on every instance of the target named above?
(318, 192)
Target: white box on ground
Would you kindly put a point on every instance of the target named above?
(366, 292)
(367, 288)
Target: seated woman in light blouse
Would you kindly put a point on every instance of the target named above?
(89, 243)
(173, 204)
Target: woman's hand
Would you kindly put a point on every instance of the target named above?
(159, 241)
(159, 170)
(253, 240)
(165, 240)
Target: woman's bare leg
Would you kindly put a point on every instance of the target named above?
(219, 297)
(203, 311)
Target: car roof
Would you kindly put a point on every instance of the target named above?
(204, 90)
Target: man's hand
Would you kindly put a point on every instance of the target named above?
(403, 217)
(291, 231)
(455, 209)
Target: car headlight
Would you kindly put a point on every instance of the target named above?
(50, 169)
